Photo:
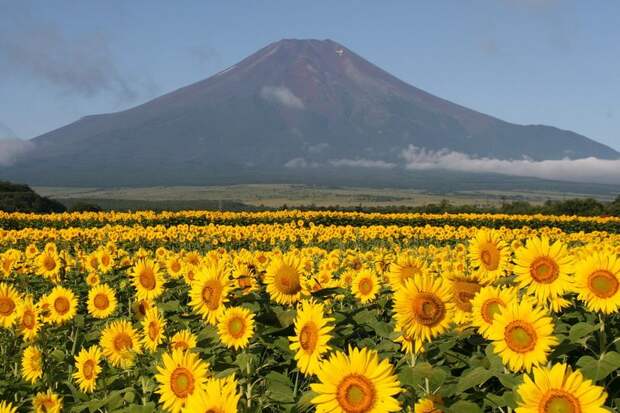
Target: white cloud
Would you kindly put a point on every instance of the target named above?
(577, 170)
(281, 95)
(361, 163)
(300, 163)
(11, 149)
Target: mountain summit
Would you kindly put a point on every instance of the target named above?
(291, 105)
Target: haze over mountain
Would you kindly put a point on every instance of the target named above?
(296, 110)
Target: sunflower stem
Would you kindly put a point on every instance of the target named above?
(602, 335)
(296, 384)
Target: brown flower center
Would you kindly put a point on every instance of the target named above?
(147, 279)
(559, 401)
(7, 306)
(603, 283)
(62, 305)
(463, 293)
(520, 336)
(211, 294)
(544, 270)
(365, 286)
(308, 337)
(182, 382)
(489, 255)
(101, 301)
(428, 309)
(28, 320)
(49, 263)
(356, 394)
(236, 327)
(490, 308)
(122, 342)
(287, 281)
(88, 369)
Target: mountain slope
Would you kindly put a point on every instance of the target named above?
(294, 102)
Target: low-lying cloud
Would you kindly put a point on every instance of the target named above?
(281, 95)
(362, 163)
(576, 170)
(11, 149)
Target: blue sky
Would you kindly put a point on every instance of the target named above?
(554, 62)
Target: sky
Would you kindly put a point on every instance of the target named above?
(554, 62)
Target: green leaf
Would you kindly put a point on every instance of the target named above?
(580, 330)
(416, 376)
(473, 378)
(598, 369)
(279, 387)
(464, 406)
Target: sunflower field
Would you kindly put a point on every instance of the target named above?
(290, 311)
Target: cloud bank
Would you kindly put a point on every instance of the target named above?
(576, 170)
(11, 149)
(281, 95)
(362, 163)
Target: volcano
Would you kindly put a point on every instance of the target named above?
(294, 109)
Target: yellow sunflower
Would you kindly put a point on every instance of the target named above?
(153, 326)
(489, 254)
(181, 375)
(365, 286)
(106, 261)
(409, 344)
(356, 382)
(62, 305)
(558, 389)
(183, 340)
(284, 279)
(236, 327)
(147, 279)
(101, 301)
(209, 291)
(597, 282)
(48, 265)
(9, 304)
(424, 307)
(32, 364)
(175, 267)
(426, 405)
(542, 268)
(218, 396)
(522, 335)
(28, 319)
(87, 368)
(487, 303)
(120, 343)
(48, 402)
(312, 333)
(6, 407)
(404, 268)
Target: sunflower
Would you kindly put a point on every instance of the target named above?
(32, 364)
(409, 345)
(6, 407)
(9, 303)
(181, 375)
(487, 303)
(426, 405)
(365, 286)
(463, 291)
(62, 305)
(106, 261)
(357, 382)
(153, 326)
(597, 282)
(175, 267)
(404, 268)
(542, 268)
(423, 307)
(92, 279)
(120, 342)
(147, 279)
(489, 254)
(218, 396)
(312, 333)
(558, 389)
(87, 368)
(522, 335)
(183, 340)
(209, 291)
(140, 308)
(48, 402)
(48, 264)
(236, 327)
(101, 301)
(284, 279)
(28, 319)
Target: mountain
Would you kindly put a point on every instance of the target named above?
(293, 106)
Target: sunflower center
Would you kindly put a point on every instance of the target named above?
(180, 345)
(147, 279)
(49, 263)
(603, 283)
(6, 306)
(28, 320)
(308, 337)
(365, 286)
(182, 382)
(287, 281)
(559, 401)
(101, 301)
(153, 330)
(105, 260)
(490, 256)
(490, 308)
(175, 267)
(236, 327)
(544, 270)
(94, 262)
(88, 369)
(211, 293)
(122, 341)
(429, 310)
(464, 292)
(62, 305)
(520, 336)
(356, 394)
